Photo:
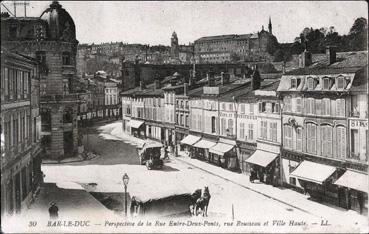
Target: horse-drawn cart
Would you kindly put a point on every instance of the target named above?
(150, 155)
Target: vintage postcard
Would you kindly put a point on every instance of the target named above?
(184, 117)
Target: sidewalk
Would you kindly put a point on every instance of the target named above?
(284, 195)
(78, 158)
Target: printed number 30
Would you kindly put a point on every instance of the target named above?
(32, 224)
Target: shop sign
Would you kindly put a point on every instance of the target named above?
(358, 123)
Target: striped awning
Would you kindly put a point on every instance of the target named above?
(221, 148)
(190, 140)
(261, 158)
(354, 180)
(314, 172)
(205, 144)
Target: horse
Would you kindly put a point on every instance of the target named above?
(202, 203)
(194, 197)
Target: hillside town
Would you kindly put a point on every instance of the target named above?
(134, 130)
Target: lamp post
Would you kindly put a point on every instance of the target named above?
(125, 182)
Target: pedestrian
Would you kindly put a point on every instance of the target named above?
(252, 174)
(133, 207)
(53, 211)
(360, 200)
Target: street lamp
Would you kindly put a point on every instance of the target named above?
(125, 182)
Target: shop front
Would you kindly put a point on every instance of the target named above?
(353, 191)
(224, 154)
(264, 167)
(187, 142)
(137, 128)
(202, 148)
(317, 181)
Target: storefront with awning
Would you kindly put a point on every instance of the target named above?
(136, 128)
(190, 139)
(187, 142)
(202, 148)
(353, 190)
(265, 167)
(317, 180)
(224, 154)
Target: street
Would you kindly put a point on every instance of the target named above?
(229, 199)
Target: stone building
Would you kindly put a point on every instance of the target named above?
(325, 125)
(20, 131)
(51, 38)
(180, 54)
(231, 48)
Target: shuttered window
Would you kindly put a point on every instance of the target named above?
(326, 140)
(341, 142)
(299, 139)
(311, 138)
(288, 136)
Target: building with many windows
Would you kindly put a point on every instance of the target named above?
(20, 131)
(325, 130)
(51, 39)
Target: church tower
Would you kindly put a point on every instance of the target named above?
(270, 26)
(174, 48)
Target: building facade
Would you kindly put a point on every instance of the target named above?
(20, 132)
(325, 128)
(51, 39)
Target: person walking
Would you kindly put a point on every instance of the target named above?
(53, 211)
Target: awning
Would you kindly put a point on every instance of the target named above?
(261, 158)
(221, 148)
(313, 172)
(354, 180)
(135, 123)
(190, 140)
(205, 144)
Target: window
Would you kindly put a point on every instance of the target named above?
(230, 126)
(326, 107)
(251, 108)
(264, 130)
(310, 106)
(181, 120)
(340, 82)
(354, 143)
(287, 103)
(13, 31)
(341, 142)
(298, 139)
(230, 106)
(340, 107)
(354, 106)
(311, 138)
(223, 126)
(298, 105)
(326, 83)
(310, 83)
(293, 83)
(242, 130)
(186, 123)
(273, 131)
(213, 124)
(177, 119)
(251, 131)
(6, 79)
(262, 107)
(242, 108)
(326, 139)
(288, 136)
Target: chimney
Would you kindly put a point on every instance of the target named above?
(255, 79)
(211, 81)
(142, 85)
(185, 89)
(330, 52)
(224, 78)
(305, 59)
(283, 67)
(157, 84)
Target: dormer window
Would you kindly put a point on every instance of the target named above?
(340, 82)
(293, 83)
(326, 83)
(310, 83)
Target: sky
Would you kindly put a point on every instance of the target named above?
(153, 22)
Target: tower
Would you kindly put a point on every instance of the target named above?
(174, 48)
(270, 26)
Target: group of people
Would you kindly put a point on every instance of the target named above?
(166, 149)
(264, 175)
